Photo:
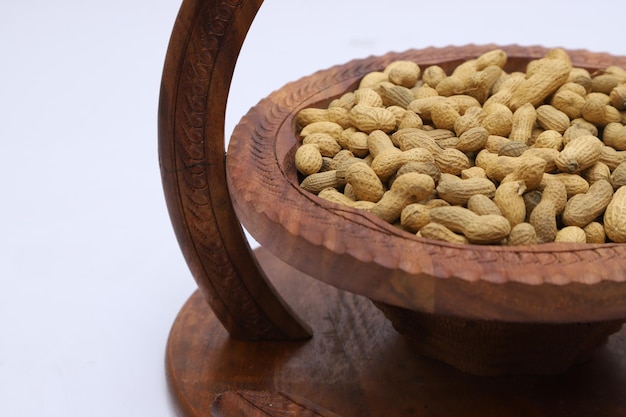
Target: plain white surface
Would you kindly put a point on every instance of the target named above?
(91, 277)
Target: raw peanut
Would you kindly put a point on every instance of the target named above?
(308, 159)
(560, 53)
(486, 229)
(582, 209)
(398, 112)
(580, 122)
(548, 76)
(377, 142)
(433, 75)
(543, 216)
(368, 96)
(471, 118)
(579, 153)
(513, 148)
(614, 218)
(529, 170)
(348, 192)
(443, 115)
(342, 155)
(618, 72)
(311, 115)
(498, 119)
(495, 142)
(574, 131)
(496, 167)
(604, 83)
(333, 195)
(596, 172)
(618, 97)
(406, 189)
(508, 198)
(452, 85)
(473, 139)
(389, 161)
(346, 101)
(595, 233)
(597, 110)
(524, 119)
(614, 135)
(403, 73)
(410, 120)
(372, 79)
(457, 191)
(618, 176)
(354, 141)
(451, 161)
(495, 57)
(415, 216)
(436, 231)
(581, 77)
(342, 167)
(508, 81)
(327, 145)
(572, 87)
(327, 164)
(547, 154)
(612, 157)
(439, 134)
(550, 139)
(423, 91)
(315, 183)
(571, 234)
(479, 84)
(569, 102)
(365, 183)
(340, 116)
(367, 118)
(463, 102)
(423, 106)
(522, 234)
(429, 168)
(481, 205)
(551, 118)
(395, 95)
(574, 183)
(531, 199)
(414, 138)
(465, 69)
(331, 128)
(472, 172)
(450, 142)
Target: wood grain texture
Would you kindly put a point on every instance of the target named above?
(562, 283)
(200, 61)
(356, 365)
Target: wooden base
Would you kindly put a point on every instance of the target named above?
(356, 364)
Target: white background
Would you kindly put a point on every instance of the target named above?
(91, 277)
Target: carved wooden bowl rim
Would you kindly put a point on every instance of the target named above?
(391, 265)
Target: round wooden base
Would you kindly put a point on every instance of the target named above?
(356, 364)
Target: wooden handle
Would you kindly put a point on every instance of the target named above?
(199, 65)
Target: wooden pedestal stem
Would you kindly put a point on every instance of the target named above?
(200, 61)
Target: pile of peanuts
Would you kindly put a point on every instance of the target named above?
(479, 156)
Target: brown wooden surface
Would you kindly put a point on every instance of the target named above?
(357, 365)
(556, 282)
(200, 61)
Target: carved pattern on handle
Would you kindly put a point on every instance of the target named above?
(199, 65)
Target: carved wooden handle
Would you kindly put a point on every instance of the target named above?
(199, 65)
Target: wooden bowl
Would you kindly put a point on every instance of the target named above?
(483, 309)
